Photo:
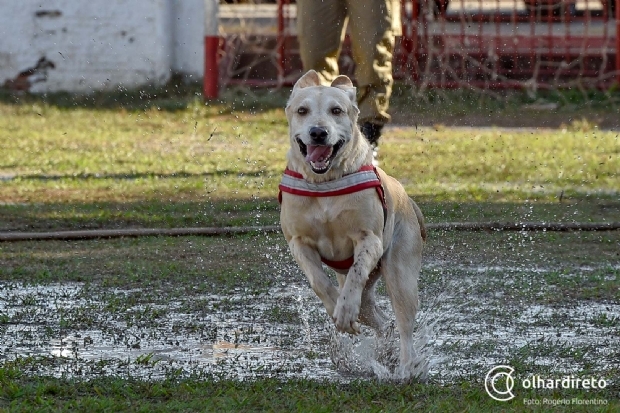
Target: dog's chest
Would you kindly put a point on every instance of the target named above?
(328, 227)
(332, 218)
(326, 213)
(321, 215)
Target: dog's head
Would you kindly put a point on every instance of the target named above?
(322, 120)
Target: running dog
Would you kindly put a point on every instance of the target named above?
(339, 210)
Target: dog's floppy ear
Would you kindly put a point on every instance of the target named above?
(344, 83)
(311, 78)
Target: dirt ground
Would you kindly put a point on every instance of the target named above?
(528, 116)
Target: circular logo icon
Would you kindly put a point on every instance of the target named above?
(499, 383)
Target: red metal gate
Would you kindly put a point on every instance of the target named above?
(510, 43)
(527, 44)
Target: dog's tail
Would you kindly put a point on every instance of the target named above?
(420, 218)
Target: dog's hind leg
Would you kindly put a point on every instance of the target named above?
(309, 261)
(400, 270)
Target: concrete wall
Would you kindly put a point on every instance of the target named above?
(99, 44)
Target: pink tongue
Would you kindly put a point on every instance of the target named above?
(318, 153)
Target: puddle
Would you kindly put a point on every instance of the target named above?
(72, 330)
(225, 344)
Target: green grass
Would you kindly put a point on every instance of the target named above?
(111, 160)
(202, 265)
(25, 394)
(192, 153)
(504, 166)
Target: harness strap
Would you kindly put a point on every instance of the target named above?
(367, 177)
(339, 265)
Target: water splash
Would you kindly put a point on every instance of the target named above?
(378, 357)
(466, 324)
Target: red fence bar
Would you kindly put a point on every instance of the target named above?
(281, 39)
(211, 77)
(617, 40)
(210, 87)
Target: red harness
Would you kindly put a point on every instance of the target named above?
(367, 177)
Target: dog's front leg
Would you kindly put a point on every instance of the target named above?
(309, 261)
(368, 251)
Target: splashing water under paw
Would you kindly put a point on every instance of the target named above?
(369, 355)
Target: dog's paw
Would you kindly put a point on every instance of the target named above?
(346, 316)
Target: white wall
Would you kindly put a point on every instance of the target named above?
(188, 39)
(101, 44)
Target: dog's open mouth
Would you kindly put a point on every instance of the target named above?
(319, 156)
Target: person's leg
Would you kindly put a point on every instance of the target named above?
(372, 38)
(320, 31)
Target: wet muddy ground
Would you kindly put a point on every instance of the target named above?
(240, 308)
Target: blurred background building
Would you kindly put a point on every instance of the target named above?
(90, 45)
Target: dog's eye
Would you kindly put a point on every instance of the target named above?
(302, 110)
(336, 111)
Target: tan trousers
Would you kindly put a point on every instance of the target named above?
(373, 24)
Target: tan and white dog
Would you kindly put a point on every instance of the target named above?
(339, 210)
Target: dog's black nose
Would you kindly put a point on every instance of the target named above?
(318, 134)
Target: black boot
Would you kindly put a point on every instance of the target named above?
(372, 132)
